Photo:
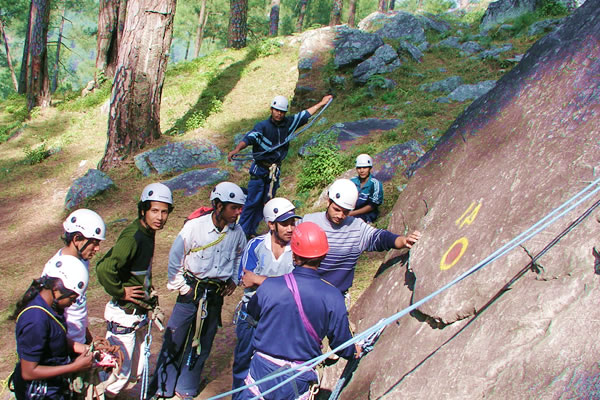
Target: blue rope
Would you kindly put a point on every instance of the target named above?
(532, 231)
(252, 156)
(146, 372)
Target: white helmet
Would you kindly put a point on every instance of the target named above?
(280, 103)
(279, 210)
(344, 193)
(157, 192)
(86, 222)
(364, 160)
(228, 192)
(71, 271)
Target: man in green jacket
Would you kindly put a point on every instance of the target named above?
(125, 272)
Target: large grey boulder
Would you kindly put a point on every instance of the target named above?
(353, 46)
(470, 47)
(446, 85)
(544, 26)
(349, 132)
(394, 160)
(404, 26)
(432, 22)
(384, 60)
(191, 181)
(514, 329)
(177, 157)
(452, 41)
(374, 21)
(503, 10)
(92, 183)
(411, 49)
(471, 92)
(494, 52)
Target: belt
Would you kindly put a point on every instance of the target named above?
(133, 310)
(266, 164)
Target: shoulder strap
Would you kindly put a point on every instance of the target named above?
(47, 312)
(290, 280)
(211, 244)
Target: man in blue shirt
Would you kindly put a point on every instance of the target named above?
(370, 190)
(269, 148)
(295, 312)
(265, 256)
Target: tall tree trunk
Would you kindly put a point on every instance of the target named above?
(134, 118)
(392, 4)
(58, 45)
(274, 18)
(23, 75)
(335, 17)
(8, 59)
(352, 13)
(301, 14)
(187, 49)
(202, 19)
(111, 20)
(381, 7)
(238, 24)
(38, 86)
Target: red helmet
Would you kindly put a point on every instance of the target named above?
(309, 241)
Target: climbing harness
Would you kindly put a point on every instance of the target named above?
(252, 156)
(273, 176)
(549, 219)
(240, 314)
(146, 371)
(201, 315)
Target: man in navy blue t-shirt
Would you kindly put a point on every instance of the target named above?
(269, 148)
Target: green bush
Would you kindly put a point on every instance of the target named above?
(321, 166)
(195, 121)
(265, 48)
(553, 8)
(36, 155)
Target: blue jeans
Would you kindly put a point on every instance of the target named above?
(258, 195)
(178, 368)
(242, 355)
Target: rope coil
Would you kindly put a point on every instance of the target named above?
(248, 156)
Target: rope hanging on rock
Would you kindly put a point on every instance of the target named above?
(592, 189)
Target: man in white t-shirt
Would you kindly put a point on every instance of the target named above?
(84, 230)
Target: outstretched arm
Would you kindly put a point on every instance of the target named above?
(241, 146)
(312, 110)
(407, 241)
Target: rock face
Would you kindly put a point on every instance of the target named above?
(395, 158)
(515, 154)
(177, 157)
(353, 46)
(405, 26)
(384, 60)
(346, 133)
(503, 10)
(89, 185)
(191, 181)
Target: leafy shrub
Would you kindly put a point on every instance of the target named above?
(36, 155)
(195, 121)
(322, 165)
(553, 8)
(265, 48)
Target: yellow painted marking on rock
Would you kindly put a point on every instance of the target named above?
(463, 242)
